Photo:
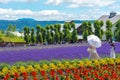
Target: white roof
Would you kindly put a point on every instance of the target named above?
(104, 18)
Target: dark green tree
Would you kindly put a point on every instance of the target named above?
(32, 35)
(38, 30)
(27, 34)
(66, 32)
(86, 29)
(98, 28)
(74, 36)
(117, 31)
(108, 32)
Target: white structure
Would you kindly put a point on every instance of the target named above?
(16, 33)
(113, 17)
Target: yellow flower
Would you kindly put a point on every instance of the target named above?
(103, 61)
(5, 70)
(2, 74)
(30, 68)
(88, 63)
(45, 67)
(22, 69)
(96, 62)
(60, 66)
(37, 66)
(117, 60)
(81, 63)
(52, 66)
(111, 61)
(67, 63)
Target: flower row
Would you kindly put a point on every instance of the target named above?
(65, 70)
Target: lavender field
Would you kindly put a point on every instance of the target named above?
(74, 51)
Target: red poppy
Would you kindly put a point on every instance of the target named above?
(16, 75)
(60, 71)
(42, 72)
(35, 78)
(33, 73)
(106, 75)
(15, 78)
(7, 76)
(52, 73)
(56, 78)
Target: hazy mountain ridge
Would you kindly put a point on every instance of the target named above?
(20, 23)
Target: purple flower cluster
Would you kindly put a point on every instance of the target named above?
(59, 53)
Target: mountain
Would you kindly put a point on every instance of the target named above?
(25, 19)
(20, 23)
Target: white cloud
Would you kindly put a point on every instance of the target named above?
(91, 14)
(81, 3)
(7, 1)
(10, 14)
(55, 2)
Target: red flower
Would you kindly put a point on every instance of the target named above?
(16, 75)
(106, 75)
(35, 78)
(67, 78)
(60, 71)
(88, 79)
(15, 78)
(25, 78)
(56, 78)
(68, 70)
(25, 74)
(46, 78)
(7, 76)
(101, 78)
(42, 72)
(33, 73)
(52, 73)
(114, 75)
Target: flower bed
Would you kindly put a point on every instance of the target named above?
(39, 53)
(103, 69)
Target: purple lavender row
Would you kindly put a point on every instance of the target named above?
(58, 53)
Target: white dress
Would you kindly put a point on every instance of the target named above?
(93, 54)
(112, 53)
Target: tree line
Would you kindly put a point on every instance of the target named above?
(87, 29)
(51, 34)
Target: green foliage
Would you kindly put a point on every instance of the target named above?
(49, 38)
(108, 34)
(57, 37)
(44, 34)
(98, 31)
(27, 34)
(32, 35)
(117, 31)
(109, 24)
(11, 28)
(2, 65)
(85, 34)
(66, 31)
(18, 64)
(74, 36)
(72, 25)
(86, 29)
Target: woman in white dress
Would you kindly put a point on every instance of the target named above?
(93, 53)
(112, 51)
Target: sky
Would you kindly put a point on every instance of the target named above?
(57, 9)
